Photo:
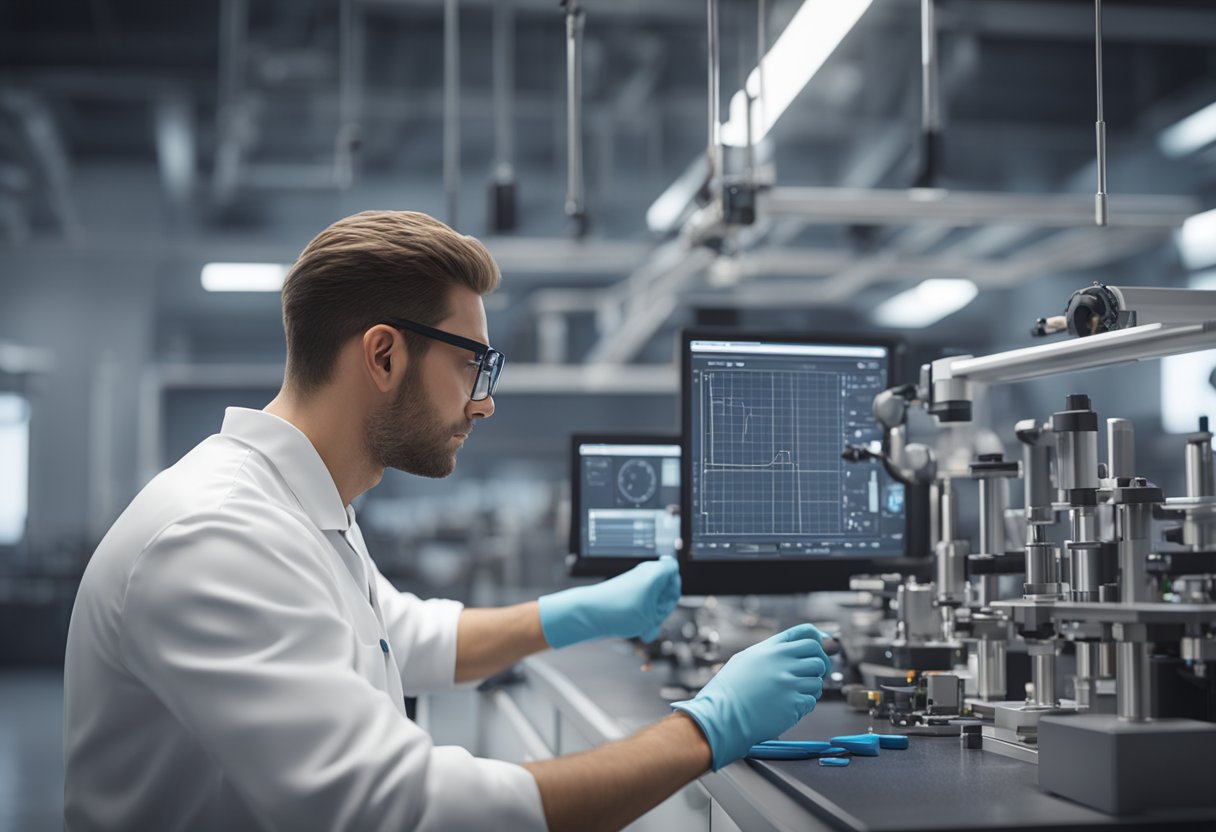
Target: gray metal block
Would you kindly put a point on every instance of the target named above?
(1122, 767)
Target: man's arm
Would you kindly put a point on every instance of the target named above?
(490, 640)
(612, 785)
(632, 604)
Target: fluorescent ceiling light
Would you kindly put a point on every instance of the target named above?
(243, 277)
(1197, 240)
(812, 35)
(925, 304)
(1192, 133)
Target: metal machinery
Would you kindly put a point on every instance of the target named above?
(1136, 613)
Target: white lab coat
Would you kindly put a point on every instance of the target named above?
(236, 661)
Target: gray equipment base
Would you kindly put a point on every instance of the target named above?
(1123, 767)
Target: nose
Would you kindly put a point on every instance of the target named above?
(483, 409)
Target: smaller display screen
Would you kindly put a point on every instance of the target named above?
(629, 500)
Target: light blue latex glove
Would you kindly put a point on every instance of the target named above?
(760, 692)
(632, 604)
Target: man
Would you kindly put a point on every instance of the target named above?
(236, 661)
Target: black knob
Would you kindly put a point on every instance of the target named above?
(1077, 401)
(1203, 424)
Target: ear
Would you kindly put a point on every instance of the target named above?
(383, 356)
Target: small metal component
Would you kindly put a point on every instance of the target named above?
(1133, 681)
(990, 669)
(970, 736)
(1120, 449)
(919, 621)
(1133, 500)
(1076, 430)
(1043, 672)
(1199, 461)
(943, 693)
(1038, 446)
(1087, 672)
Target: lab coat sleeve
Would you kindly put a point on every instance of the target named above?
(423, 634)
(237, 632)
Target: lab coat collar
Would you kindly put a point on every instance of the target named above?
(296, 460)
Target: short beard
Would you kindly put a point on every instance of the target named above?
(407, 434)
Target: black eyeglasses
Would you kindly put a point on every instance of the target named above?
(489, 360)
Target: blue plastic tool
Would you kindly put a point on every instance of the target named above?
(833, 761)
(776, 752)
(808, 745)
(865, 745)
(892, 741)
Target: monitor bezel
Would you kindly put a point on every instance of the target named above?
(585, 566)
(742, 577)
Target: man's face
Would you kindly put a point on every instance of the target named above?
(430, 416)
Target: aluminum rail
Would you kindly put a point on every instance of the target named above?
(1135, 344)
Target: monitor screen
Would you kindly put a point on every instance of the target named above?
(625, 499)
(766, 419)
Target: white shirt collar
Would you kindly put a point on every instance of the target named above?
(296, 460)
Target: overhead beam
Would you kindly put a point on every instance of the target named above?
(833, 206)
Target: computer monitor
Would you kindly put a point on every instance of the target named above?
(625, 500)
(769, 504)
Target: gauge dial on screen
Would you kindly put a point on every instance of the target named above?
(637, 481)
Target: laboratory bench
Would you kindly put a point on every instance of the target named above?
(574, 699)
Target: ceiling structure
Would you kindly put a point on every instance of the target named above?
(236, 130)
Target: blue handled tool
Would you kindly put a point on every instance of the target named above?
(833, 761)
(808, 745)
(776, 752)
(865, 745)
(892, 741)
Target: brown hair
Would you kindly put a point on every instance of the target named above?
(365, 269)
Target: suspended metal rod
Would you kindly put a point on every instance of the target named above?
(930, 115)
(576, 209)
(715, 92)
(451, 109)
(761, 51)
(504, 88)
(1100, 214)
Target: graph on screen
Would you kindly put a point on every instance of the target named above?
(772, 452)
(766, 425)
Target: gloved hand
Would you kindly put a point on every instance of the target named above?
(632, 604)
(760, 692)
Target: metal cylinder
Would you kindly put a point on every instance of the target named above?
(948, 510)
(1043, 677)
(1039, 493)
(1133, 529)
(1120, 449)
(1040, 563)
(1087, 672)
(918, 619)
(1077, 460)
(1076, 430)
(1085, 561)
(1106, 660)
(990, 670)
(1199, 465)
(1132, 680)
(994, 497)
(574, 110)
(1084, 524)
(951, 563)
